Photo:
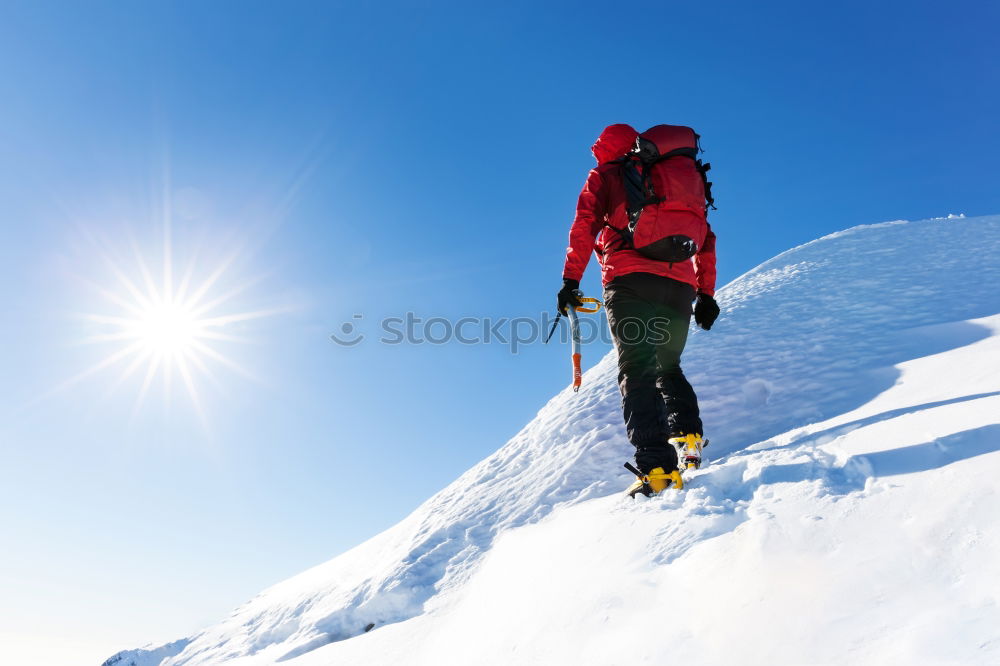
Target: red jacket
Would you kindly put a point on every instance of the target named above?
(603, 202)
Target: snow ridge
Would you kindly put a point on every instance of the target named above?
(147, 656)
(808, 347)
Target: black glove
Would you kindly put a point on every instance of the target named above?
(569, 295)
(706, 310)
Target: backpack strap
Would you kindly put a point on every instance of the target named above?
(638, 190)
(624, 238)
(703, 169)
(634, 193)
(677, 152)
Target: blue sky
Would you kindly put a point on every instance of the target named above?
(378, 159)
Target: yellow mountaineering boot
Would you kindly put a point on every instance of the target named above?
(655, 482)
(689, 449)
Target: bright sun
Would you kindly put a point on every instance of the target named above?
(158, 326)
(167, 328)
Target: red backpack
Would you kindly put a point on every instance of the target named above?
(668, 194)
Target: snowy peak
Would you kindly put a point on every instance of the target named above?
(844, 379)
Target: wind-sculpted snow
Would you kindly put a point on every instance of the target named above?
(807, 346)
(816, 331)
(149, 656)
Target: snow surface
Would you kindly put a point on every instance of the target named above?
(147, 656)
(851, 390)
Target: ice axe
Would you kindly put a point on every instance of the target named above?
(574, 329)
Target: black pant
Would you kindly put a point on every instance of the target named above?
(649, 317)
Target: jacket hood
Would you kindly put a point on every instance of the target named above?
(615, 141)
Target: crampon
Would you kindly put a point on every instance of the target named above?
(653, 483)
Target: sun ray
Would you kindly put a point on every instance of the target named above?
(226, 337)
(106, 337)
(182, 288)
(168, 277)
(168, 322)
(141, 300)
(226, 297)
(209, 282)
(203, 368)
(109, 319)
(153, 293)
(224, 360)
(140, 358)
(140, 397)
(182, 370)
(134, 307)
(168, 384)
(96, 368)
(243, 316)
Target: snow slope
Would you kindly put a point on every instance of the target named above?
(851, 390)
(147, 656)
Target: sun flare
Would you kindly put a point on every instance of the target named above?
(167, 328)
(156, 327)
